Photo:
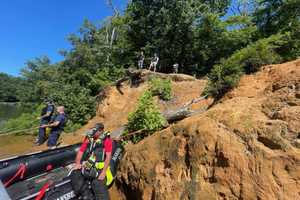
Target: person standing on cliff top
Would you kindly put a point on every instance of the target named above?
(175, 68)
(154, 62)
(141, 60)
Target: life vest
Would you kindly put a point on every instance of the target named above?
(94, 156)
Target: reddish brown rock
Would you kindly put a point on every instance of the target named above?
(244, 147)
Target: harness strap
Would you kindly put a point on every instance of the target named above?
(43, 191)
(20, 173)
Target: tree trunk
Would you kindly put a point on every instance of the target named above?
(170, 115)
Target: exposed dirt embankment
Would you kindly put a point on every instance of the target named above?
(113, 110)
(245, 147)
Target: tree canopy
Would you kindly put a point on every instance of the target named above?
(219, 39)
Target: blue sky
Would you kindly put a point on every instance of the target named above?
(33, 28)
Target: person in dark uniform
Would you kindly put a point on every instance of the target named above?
(57, 126)
(45, 118)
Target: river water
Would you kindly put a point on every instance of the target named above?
(8, 111)
(11, 144)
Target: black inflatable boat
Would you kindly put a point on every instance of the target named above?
(44, 175)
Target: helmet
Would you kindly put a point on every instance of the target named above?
(98, 126)
(48, 100)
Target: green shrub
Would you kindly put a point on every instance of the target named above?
(25, 122)
(29, 122)
(226, 75)
(161, 88)
(221, 79)
(79, 105)
(146, 117)
(72, 127)
(260, 53)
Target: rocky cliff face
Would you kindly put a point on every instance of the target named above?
(244, 147)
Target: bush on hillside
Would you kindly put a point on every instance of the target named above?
(146, 117)
(79, 105)
(260, 53)
(162, 88)
(221, 79)
(23, 122)
(72, 127)
(226, 75)
(28, 122)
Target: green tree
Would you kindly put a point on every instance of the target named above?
(90, 55)
(161, 88)
(163, 27)
(226, 75)
(147, 116)
(39, 75)
(9, 88)
(79, 105)
(272, 16)
(280, 16)
(217, 39)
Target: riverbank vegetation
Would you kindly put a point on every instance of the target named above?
(218, 39)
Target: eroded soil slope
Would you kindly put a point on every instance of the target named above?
(113, 110)
(244, 147)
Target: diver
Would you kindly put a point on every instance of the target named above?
(92, 165)
(45, 118)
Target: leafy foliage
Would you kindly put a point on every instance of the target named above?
(226, 75)
(77, 80)
(161, 88)
(9, 88)
(163, 27)
(26, 120)
(202, 36)
(271, 16)
(278, 16)
(146, 117)
(80, 106)
(222, 79)
(216, 39)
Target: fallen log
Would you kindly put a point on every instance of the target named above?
(171, 116)
(184, 111)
